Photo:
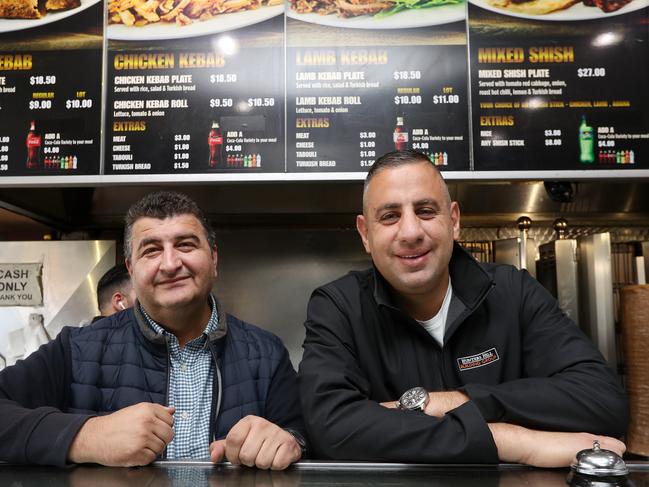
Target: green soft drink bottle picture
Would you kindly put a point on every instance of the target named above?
(586, 142)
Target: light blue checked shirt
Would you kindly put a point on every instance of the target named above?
(190, 389)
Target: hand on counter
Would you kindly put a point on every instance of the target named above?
(548, 449)
(132, 436)
(256, 442)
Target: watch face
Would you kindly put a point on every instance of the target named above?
(414, 398)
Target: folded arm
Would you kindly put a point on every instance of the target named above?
(344, 423)
(567, 384)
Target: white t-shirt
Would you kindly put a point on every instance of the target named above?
(437, 324)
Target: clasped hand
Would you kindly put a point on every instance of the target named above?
(132, 436)
(256, 442)
(137, 435)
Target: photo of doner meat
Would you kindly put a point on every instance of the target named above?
(33, 9)
(355, 8)
(182, 12)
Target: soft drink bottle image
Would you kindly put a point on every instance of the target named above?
(215, 142)
(33, 143)
(400, 135)
(586, 142)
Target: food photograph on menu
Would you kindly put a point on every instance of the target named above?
(379, 14)
(155, 19)
(30, 9)
(553, 87)
(564, 9)
(54, 127)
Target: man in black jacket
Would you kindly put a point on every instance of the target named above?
(173, 376)
(432, 357)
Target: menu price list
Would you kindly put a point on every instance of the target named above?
(50, 113)
(348, 106)
(540, 104)
(195, 112)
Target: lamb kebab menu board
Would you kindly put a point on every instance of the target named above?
(50, 111)
(559, 85)
(196, 93)
(362, 82)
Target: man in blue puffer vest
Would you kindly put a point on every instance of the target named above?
(172, 377)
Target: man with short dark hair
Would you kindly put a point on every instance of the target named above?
(432, 357)
(173, 377)
(114, 291)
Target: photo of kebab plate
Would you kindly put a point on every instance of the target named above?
(375, 8)
(138, 13)
(543, 7)
(34, 9)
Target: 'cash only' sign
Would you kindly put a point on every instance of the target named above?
(20, 284)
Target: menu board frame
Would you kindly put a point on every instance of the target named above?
(455, 176)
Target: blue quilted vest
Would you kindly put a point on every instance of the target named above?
(118, 361)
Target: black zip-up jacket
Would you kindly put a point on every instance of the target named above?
(120, 361)
(507, 345)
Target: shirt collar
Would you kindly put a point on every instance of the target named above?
(212, 324)
(471, 281)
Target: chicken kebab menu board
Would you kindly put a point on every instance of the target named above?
(365, 78)
(195, 87)
(559, 84)
(50, 110)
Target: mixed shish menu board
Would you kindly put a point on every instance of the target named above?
(256, 86)
(50, 110)
(559, 85)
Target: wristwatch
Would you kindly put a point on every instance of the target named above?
(414, 399)
(299, 440)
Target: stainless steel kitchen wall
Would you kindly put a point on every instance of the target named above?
(266, 276)
(70, 273)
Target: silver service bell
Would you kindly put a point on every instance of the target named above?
(599, 462)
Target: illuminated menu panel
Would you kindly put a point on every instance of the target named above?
(50, 111)
(562, 90)
(210, 103)
(359, 86)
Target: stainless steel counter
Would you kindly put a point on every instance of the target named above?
(186, 474)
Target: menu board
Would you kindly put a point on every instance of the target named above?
(50, 110)
(559, 86)
(196, 97)
(361, 86)
(260, 88)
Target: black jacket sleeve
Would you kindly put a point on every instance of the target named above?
(567, 384)
(33, 393)
(344, 423)
(283, 401)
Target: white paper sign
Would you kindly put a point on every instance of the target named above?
(20, 284)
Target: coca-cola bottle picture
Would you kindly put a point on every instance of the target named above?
(33, 143)
(215, 142)
(400, 135)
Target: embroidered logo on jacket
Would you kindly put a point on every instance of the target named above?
(478, 360)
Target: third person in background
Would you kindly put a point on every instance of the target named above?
(115, 291)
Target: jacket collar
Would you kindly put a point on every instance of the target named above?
(471, 283)
(159, 339)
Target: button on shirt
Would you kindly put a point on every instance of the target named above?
(191, 377)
